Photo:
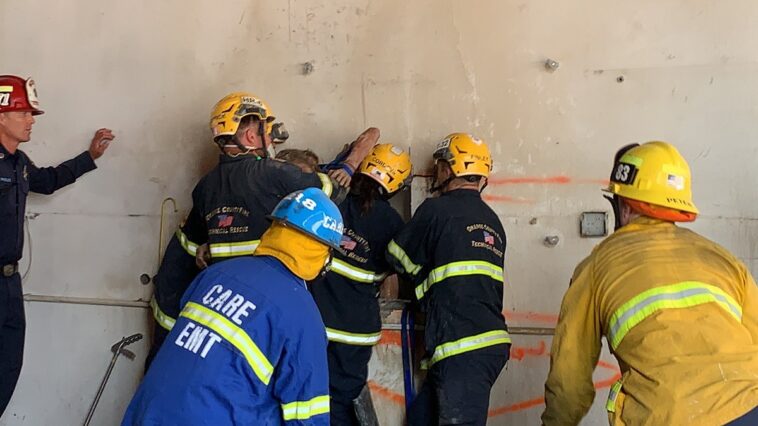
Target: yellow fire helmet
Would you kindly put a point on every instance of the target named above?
(232, 108)
(466, 154)
(389, 165)
(654, 173)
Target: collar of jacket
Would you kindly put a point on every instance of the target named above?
(644, 222)
(462, 192)
(223, 158)
(5, 154)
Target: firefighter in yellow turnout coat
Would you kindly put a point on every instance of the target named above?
(679, 312)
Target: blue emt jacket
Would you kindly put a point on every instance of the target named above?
(248, 348)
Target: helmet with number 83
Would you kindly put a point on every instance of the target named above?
(654, 175)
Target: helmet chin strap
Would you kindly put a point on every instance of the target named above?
(614, 199)
(437, 186)
(268, 151)
(327, 265)
(486, 182)
(247, 149)
(244, 150)
(616, 205)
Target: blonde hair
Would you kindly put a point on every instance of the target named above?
(303, 158)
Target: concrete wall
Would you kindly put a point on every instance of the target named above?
(677, 70)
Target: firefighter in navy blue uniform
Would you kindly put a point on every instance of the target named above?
(249, 346)
(19, 176)
(453, 251)
(231, 201)
(347, 294)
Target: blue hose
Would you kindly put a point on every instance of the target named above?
(407, 337)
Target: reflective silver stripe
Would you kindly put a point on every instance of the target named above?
(304, 410)
(161, 318)
(675, 296)
(234, 335)
(468, 344)
(357, 339)
(455, 269)
(398, 253)
(326, 184)
(354, 273)
(188, 245)
(234, 249)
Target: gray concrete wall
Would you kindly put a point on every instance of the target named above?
(418, 70)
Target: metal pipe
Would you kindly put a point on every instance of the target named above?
(521, 331)
(532, 331)
(160, 232)
(85, 301)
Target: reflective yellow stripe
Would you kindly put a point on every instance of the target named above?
(681, 295)
(6, 88)
(188, 245)
(161, 318)
(326, 184)
(234, 335)
(456, 269)
(467, 344)
(240, 248)
(610, 405)
(354, 273)
(356, 339)
(304, 410)
(395, 250)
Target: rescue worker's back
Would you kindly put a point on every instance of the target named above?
(462, 249)
(275, 310)
(249, 346)
(679, 314)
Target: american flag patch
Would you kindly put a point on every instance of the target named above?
(225, 220)
(347, 243)
(676, 182)
(489, 239)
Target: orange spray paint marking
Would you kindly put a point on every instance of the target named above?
(549, 180)
(530, 180)
(519, 406)
(392, 337)
(506, 199)
(379, 390)
(518, 353)
(608, 365)
(601, 182)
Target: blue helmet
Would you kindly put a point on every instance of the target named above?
(312, 212)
